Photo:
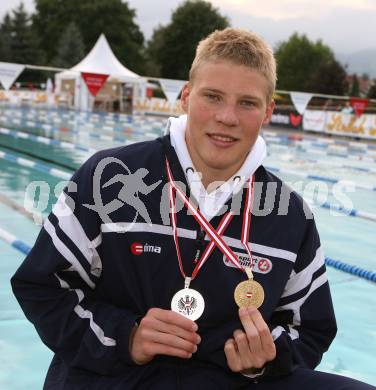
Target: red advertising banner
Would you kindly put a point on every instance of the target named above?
(94, 81)
(359, 105)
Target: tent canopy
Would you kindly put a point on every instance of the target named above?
(101, 59)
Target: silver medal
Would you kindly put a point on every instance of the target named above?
(188, 302)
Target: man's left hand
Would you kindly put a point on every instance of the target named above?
(252, 348)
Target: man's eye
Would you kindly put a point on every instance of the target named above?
(212, 97)
(247, 103)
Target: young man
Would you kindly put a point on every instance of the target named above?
(136, 302)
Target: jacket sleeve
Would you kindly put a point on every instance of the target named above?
(56, 285)
(303, 325)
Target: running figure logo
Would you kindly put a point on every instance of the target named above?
(187, 305)
(132, 185)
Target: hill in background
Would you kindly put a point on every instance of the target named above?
(363, 61)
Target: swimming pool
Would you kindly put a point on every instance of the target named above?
(24, 359)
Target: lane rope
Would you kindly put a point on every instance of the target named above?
(337, 264)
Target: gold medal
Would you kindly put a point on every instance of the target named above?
(249, 292)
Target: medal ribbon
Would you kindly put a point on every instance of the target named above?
(216, 239)
(247, 219)
(221, 228)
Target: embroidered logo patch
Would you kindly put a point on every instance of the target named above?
(138, 249)
(262, 264)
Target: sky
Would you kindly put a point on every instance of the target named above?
(346, 26)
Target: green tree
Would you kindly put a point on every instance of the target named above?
(153, 47)
(329, 78)
(6, 39)
(20, 44)
(18, 41)
(174, 45)
(92, 17)
(372, 91)
(355, 86)
(298, 60)
(71, 48)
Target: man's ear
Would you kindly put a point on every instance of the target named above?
(184, 98)
(269, 112)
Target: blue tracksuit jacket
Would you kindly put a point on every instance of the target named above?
(91, 275)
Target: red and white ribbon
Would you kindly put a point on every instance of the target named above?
(215, 235)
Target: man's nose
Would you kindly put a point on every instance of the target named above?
(227, 115)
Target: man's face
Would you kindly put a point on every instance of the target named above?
(226, 106)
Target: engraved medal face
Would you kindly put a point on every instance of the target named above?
(189, 303)
(249, 293)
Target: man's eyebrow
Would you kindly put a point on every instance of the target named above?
(214, 90)
(208, 89)
(251, 97)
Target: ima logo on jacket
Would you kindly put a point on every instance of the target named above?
(138, 249)
(262, 265)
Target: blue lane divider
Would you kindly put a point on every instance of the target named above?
(360, 169)
(300, 148)
(14, 242)
(326, 149)
(319, 141)
(317, 177)
(21, 246)
(117, 135)
(73, 115)
(338, 165)
(45, 140)
(35, 165)
(68, 114)
(349, 212)
(351, 269)
(361, 154)
(340, 265)
(111, 127)
(63, 144)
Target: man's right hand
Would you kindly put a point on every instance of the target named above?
(163, 332)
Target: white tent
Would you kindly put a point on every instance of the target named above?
(102, 60)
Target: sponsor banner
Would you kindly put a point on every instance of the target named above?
(157, 106)
(314, 120)
(33, 98)
(333, 122)
(94, 81)
(286, 118)
(171, 88)
(262, 265)
(300, 100)
(351, 125)
(281, 119)
(9, 73)
(359, 105)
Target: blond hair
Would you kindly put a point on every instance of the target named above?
(240, 47)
